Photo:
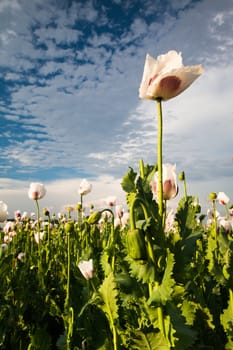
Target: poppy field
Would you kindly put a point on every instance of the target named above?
(145, 277)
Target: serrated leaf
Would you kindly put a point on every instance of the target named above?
(106, 266)
(227, 318)
(148, 341)
(178, 332)
(186, 216)
(189, 311)
(108, 292)
(143, 271)
(163, 292)
(128, 181)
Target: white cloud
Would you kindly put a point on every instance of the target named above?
(83, 105)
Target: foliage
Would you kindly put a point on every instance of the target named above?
(178, 294)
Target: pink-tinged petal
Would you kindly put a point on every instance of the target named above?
(86, 268)
(166, 77)
(222, 198)
(3, 212)
(170, 188)
(36, 191)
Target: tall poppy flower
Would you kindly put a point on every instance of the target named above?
(85, 187)
(166, 77)
(36, 191)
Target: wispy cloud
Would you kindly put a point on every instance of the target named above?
(71, 74)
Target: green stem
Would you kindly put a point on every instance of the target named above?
(68, 309)
(215, 218)
(141, 169)
(227, 212)
(231, 299)
(164, 214)
(111, 238)
(40, 272)
(160, 316)
(68, 272)
(48, 241)
(114, 332)
(160, 159)
(185, 189)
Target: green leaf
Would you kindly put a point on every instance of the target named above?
(189, 311)
(227, 319)
(180, 334)
(163, 292)
(142, 270)
(128, 181)
(108, 292)
(40, 340)
(186, 216)
(148, 341)
(105, 262)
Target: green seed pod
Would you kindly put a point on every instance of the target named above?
(136, 244)
(94, 217)
(69, 227)
(213, 196)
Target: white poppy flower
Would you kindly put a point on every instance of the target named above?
(170, 187)
(86, 268)
(222, 198)
(36, 191)
(85, 187)
(3, 212)
(166, 76)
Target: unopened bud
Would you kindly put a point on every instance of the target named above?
(213, 196)
(69, 227)
(181, 176)
(94, 217)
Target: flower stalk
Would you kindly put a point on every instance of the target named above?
(160, 159)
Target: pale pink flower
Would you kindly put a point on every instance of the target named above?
(222, 198)
(39, 236)
(166, 76)
(125, 219)
(7, 239)
(117, 222)
(17, 215)
(225, 223)
(111, 201)
(85, 187)
(86, 268)
(9, 226)
(170, 188)
(36, 191)
(21, 256)
(3, 211)
(24, 215)
(119, 211)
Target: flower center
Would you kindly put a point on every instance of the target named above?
(170, 83)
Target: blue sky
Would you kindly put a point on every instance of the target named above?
(69, 107)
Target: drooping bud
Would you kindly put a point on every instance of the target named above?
(136, 244)
(94, 217)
